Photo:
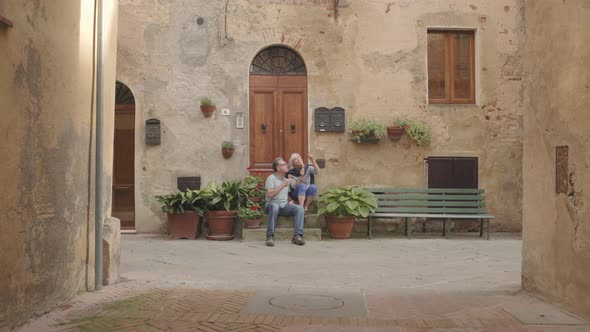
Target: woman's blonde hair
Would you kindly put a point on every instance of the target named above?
(293, 157)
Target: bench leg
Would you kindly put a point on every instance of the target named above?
(409, 227)
(370, 228)
(447, 227)
(444, 233)
(406, 226)
(487, 229)
(480, 227)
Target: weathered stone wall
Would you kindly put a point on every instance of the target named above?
(46, 210)
(556, 227)
(371, 60)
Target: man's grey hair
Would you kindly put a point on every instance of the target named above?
(276, 162)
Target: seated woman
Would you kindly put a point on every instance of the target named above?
(303, 190)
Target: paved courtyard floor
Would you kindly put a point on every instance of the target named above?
(384, 284)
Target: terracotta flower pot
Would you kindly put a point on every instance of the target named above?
(208, 110)
(184, 225)
(221, 225)
(340, 227)
(227, 153)
(395, 133)
(252, 223)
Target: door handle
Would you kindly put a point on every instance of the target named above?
(292, 128)
(263, 127)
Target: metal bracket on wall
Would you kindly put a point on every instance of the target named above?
(5, 23)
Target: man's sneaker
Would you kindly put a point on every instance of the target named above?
(298, 239)
(270, 242)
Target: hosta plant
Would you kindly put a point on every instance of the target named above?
(347, 201)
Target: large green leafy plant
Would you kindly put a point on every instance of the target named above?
(222, 197)
(190, 200)
(347, 201)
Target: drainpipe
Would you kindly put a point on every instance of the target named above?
(98, 167)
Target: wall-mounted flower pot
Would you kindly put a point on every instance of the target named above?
(367, 139)
(395, 133)
(227, 153)
(208, 110)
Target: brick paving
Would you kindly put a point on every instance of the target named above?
(133, 306)
(473, 288)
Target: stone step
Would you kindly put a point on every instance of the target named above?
(310, 221)
(281, 234)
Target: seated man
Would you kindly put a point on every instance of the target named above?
(278, 203)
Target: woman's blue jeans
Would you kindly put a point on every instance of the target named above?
(304, 190)
(274, 211)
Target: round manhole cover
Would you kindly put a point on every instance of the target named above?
(306, 302)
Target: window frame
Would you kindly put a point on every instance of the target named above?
(449, 67)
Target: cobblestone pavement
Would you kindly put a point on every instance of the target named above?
(203, 296)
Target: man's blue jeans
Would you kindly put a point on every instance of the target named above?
(274, 211)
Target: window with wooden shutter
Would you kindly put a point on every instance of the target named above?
(451, 67)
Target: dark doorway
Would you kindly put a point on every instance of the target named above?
(124, 158)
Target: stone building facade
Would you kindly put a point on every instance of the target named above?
(556, 221)
(47, 167)
(368, 57)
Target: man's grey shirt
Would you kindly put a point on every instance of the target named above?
(274, 181)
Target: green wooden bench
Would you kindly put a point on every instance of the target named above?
(444, 204)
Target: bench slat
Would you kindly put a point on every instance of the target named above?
(431, 210)
(425, 215)
(430, 203)
(432, 197)
(427, 190)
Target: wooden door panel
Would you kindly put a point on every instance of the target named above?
(124, 166)
(294, 127)
(278, 102)
(123, 161)
(262, 142)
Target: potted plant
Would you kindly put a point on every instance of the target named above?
(184, 211)
(207, 107)
(396, 131)
(419, 132)
(367, 131)
(342, 205)
(223, 202)
(251, 215)
(227, 149)
(253, 189)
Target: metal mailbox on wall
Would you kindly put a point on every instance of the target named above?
(337, 119)
(152, 131)
(322, 119)
(329, 120)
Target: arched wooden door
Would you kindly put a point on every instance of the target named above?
(124, 158)
(278, 107)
